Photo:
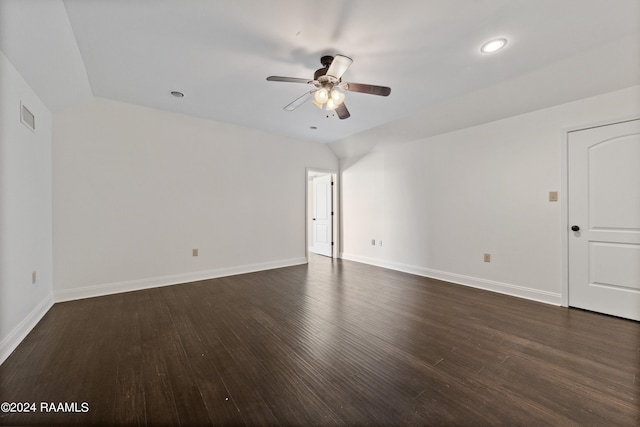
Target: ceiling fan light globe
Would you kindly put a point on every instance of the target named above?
(321, 96)
(337, 96)
(331, 105)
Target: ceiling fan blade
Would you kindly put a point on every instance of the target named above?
(370, 89)
(299, 101)
(342, 112)
(288, 79)
(338, 66)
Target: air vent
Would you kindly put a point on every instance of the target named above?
(27, 117)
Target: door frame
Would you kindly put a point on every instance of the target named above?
(335, 226)
(564, 192)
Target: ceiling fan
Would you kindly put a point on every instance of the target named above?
(329, 88)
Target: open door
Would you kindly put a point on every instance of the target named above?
(321, 208)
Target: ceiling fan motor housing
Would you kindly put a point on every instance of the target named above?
(319, 73)
(326, 62)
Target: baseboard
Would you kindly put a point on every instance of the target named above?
(474, 282)
(20, 332)
(155, 282)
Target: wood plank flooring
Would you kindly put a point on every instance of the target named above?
(332, 342)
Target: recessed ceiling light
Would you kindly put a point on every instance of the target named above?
(493, 45)
(177, 94)
(313, 127)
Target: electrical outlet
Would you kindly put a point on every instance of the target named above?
(33, 278)
(373, 242)
(379, 242)
(487, 257)
(553, 196)
(195, 252)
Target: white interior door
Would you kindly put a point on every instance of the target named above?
(604, 219)
(322, 215)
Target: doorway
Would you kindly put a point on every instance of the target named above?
(321, 212)
(604, 219)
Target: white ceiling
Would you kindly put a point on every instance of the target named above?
(219, 52)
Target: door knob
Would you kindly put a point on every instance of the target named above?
(575, 228)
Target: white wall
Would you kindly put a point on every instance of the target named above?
(136, 189)
(439, 203)
(25, 210)
(36, 35)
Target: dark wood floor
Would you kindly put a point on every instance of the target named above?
(334, 342)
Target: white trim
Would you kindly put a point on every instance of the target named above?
(20, 332)
(602, 123)
(155, 282)
(474, 282)
(564, 220)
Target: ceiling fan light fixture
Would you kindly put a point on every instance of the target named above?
(316, 103)
(321, 96)
(328, 91)
(337, 96)
(331, 105)
(493, 45)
